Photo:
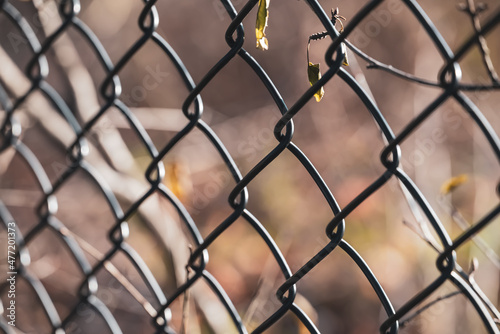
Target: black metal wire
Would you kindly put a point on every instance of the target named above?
(37, 71)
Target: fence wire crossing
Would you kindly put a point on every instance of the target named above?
(160, 313)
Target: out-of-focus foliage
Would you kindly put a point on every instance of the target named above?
(314, 74)
(338, 135)
(261, 24)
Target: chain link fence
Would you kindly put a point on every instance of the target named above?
(98, 180)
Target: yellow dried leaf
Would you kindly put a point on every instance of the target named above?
(261, 24)
(452, 183)
(178, 180)
(346, 61)
(314, 74)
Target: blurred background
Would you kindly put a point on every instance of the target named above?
(337, 134)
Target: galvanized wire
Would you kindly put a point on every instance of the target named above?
(37, 70)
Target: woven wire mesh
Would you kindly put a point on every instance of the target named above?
(88, 156)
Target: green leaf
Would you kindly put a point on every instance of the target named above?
(314, 74)
(261, 24)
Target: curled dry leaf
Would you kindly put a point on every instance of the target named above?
(261, 24)
(314, 74)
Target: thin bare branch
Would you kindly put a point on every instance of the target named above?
(115, 272)
(154, 212)
(420, 227)
(423, 232)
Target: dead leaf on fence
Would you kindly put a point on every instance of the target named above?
(309, 309)
(314, 74)
(453, 183)
(261, 24)
(346, 60)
